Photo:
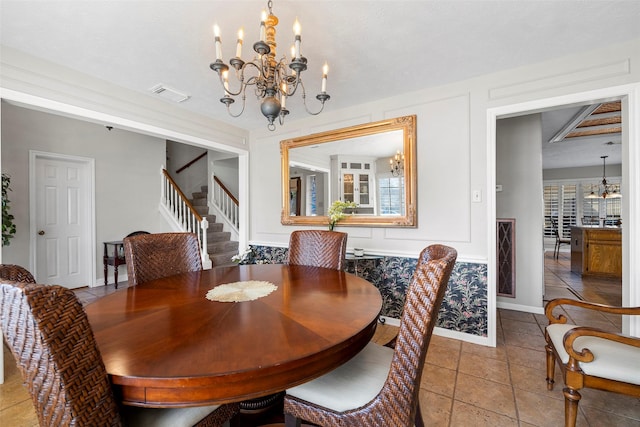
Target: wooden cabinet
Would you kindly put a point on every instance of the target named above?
(356, 181)
(596, 251)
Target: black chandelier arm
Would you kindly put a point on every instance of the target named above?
(292, 84)
(227, 100)
(322, 97)
(240, 76)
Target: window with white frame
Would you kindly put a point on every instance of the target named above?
(560, 206)
(578, 202)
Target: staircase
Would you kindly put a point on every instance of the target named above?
(219, 244)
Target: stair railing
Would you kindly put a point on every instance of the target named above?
(191, 162)
(226, 203)
(181, 209)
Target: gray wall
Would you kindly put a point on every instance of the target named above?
(519, 171)
(588, 172)
(195, 176)
(227, 172)
(127, 167)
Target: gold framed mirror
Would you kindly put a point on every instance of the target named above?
(373, 165)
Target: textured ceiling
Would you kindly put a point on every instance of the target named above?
(375, 49)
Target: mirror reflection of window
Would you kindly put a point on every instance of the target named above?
(312, 196)
(391, 195)
(294, 196)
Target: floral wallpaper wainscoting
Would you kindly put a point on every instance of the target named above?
(464, 308)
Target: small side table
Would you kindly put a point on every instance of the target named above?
(356, 259)
(115, 258)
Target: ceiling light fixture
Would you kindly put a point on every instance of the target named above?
(397, 164)
(608, 190)
(274, 80)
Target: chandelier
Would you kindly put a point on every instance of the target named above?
(397, 164)
(273, 80)
(608, 190)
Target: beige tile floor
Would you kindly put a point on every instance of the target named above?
(463, 384)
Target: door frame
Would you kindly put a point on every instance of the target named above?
(630, 96)
(88, 229)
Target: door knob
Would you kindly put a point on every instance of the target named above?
(41, 232)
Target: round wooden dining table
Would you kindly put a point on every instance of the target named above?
(164, 344)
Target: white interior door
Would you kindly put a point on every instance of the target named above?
(62, 220)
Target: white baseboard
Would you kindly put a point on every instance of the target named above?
(461, 336)
(520, 307)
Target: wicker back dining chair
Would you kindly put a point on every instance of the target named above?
(380, 385)
(16, 273)
(154, 256)
(318, 248)
(49, 334)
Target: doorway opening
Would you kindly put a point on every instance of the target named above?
(630, 99)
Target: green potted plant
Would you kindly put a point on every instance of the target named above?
(8, 227)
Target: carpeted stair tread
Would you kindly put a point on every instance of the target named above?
(223, 246)
(223, 258)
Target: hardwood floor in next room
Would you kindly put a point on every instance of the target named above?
(559, 282)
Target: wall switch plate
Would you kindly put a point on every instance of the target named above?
(498, 187)
(476, 196)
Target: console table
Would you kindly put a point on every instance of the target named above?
(114, 257)
(351, 258)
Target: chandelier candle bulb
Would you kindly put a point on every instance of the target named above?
(239, 46)
(263, 30)
(216, 34)
(297, 30)
(225, 79)
(325, 70)
(283, 98)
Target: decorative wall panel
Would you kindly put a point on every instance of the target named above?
(506, 256)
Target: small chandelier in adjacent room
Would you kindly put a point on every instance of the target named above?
(273, 80)
(397, 164)
(606, 190)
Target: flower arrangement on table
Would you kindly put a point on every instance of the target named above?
(336, 212)
(248, 256)
(245, 257)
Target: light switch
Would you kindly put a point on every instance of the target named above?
(476, 196)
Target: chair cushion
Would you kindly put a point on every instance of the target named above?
(351, 385)
(173, 417)
(612, 360)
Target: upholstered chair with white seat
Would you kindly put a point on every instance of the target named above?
(590, 357)
(380, 385)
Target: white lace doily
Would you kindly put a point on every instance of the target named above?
(241, 291)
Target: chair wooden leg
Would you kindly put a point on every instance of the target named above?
(551, 367)
(571, 399)
(418, 421)
(291, 421)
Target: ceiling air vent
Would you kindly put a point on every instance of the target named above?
(170, 94)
